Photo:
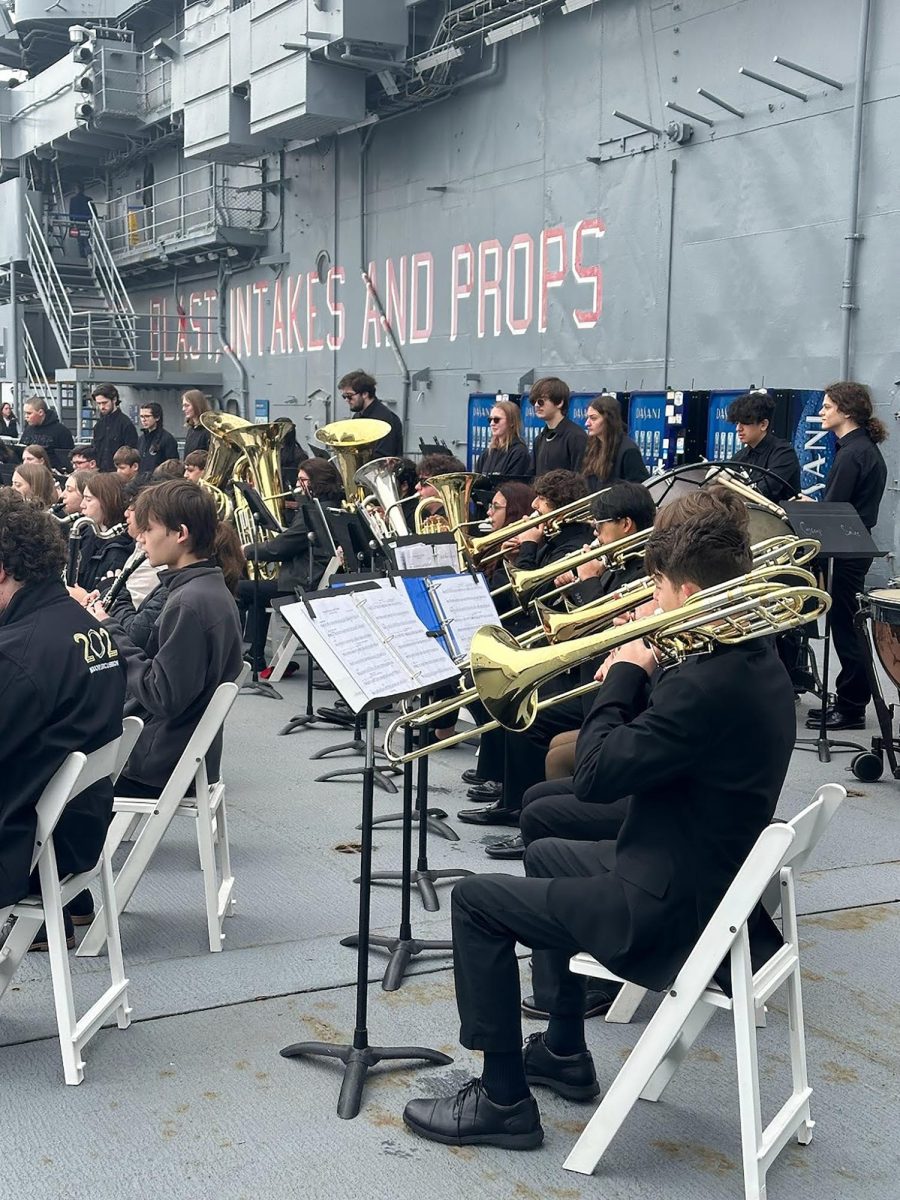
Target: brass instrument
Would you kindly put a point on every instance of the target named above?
(377, 479)
(454, 493)
(487, 548)
(756, 598)
(258, 463)
(615, 555)
(352, 443)
(221, 459)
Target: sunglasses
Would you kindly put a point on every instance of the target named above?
(494, 420)
(539, 401)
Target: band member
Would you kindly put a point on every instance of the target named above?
(358, 389)
(155, 444)
(9, 426)
(561, 443)
(100, 558)
(83, 458)
(611, 456)
(63, 689)
(73, 493)
(45, 429)
(195, 465)
(34, 482)
(197, 639)
(172, 468)
(38, 455)
(127, 462)
(700, 793)
(858, 476)
(302, 562)
(752, 414)
(194, 404)
(112, 428)
(507, 456)
(622, 510)
(429, 466)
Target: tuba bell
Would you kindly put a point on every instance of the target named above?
(352, 443)
(378, 480)
(221, 460)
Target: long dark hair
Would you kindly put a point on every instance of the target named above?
(519, 498)
(600, 452)
(108, 489)
(324, 478)
(855, 401)
(228, 554)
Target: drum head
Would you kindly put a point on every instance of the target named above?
(885, 605)
(765, 525)
(675, 484)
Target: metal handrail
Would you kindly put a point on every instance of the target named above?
(34, 368)
(110, 282)
(49, 286)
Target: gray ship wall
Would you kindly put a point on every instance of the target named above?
(496, 248)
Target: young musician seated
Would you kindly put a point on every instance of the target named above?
(700, 792)
(63, 688)
(101, 557)
(302, 562)
(197, 638)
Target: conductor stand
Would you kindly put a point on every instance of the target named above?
(841, 534)
(404, 947)
(359, 1057)
(262, 520)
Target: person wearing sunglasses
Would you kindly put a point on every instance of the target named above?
(507, 455)
(561, 444)
(358, 389)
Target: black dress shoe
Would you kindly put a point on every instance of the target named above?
(485, 791)
(835, 719)
(494, 814)
(598, 999)
(471, 1118)
(511, 847)
(571, 1075)
(81, 908)
(472, 776)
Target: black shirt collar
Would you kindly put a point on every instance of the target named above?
(853, 436)
(32, 596)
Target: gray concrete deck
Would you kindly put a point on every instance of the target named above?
(194, 1101)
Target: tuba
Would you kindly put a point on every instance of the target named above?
(220, 463)
(352, 443)
(259, 465)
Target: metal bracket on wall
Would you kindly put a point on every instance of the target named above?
(421, 379)
(526, 381)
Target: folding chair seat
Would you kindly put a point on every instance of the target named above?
(77, 773)
(686, 1008)
(206, 806)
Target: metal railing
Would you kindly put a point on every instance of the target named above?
(38, 383)
(156, 84)
(54, 298)
(118, 302)
(194, 203)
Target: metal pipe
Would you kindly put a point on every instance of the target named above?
(848, 284)
(669, 276)
(721, 103)
(221, 331)
(14, 343)
(773, 83)
(636, 121)
(792, 66)
(689, 112)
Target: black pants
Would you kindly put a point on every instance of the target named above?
(550, 810)
(491, 913)
(258, 629)
(525, 753)
(852, 685)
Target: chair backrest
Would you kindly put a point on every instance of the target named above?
(809, 825)
(244, 675)
(194, 754)
(56, 796)
(132, 727)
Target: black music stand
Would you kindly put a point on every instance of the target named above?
(358, 1057)
(404, 947)
(262, 519)
(841, 534)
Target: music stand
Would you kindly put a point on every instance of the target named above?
(841, 534)
(262, 520)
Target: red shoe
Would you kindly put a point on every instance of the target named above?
(291, 669)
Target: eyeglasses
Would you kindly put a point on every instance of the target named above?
(492, 507)
(494, 420)
(348, 395)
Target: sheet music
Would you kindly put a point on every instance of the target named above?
(367, 658)
(465, 603)
(425, 555)
(392, 610)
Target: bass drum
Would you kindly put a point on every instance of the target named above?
(765, 525)
(675, 484)
(884, 612)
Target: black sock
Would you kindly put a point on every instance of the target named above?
(504, 1077)
(565, 1035)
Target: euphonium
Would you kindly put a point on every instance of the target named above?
(221, 459)
(378, 480)
(352, 443)
(258, 464)
(454, 493)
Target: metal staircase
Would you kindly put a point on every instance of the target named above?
(84, 299)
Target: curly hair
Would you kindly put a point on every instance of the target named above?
(854, 400)
(32, 549)
(560, 487)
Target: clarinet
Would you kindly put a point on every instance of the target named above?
(115, 588)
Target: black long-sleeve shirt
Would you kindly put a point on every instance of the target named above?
(778, 456)
(391, 445)
(112, 431)
(858, 476)
(512, 463)
(559, 449)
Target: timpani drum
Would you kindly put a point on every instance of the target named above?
(879, 610)
(884, 613)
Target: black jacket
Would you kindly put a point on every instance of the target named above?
(858, 476)
(195, 646)
(63, 689)
(101, 558)
(155, 446)
(512, 463)
(112, 431)
(391, 445)
(628, 467)
(196, 438)
(561, 448)
(10, 428)
(779, 456)
(139, 623)
(53, 436)
(293, 550)
(702, 757)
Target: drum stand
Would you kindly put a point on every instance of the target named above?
(869, 765)
(358, 1057)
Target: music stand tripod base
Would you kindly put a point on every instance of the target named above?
(381, 780)
(436, 819)
(401, 952)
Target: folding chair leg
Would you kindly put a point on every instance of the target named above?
(63, 999)
(625, 1004)
(225, 858)
(114, 941)
(206, 846)
(797, 1030)
(747, 1067)
(678, 1051)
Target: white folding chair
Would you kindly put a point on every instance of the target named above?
(206, 806)
(693, 998)
(77, 773)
